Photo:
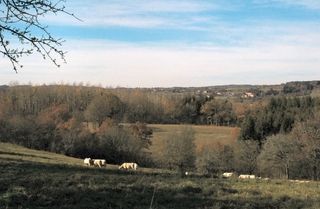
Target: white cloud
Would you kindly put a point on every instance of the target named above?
(309, 4)
(135, 13)
(120, 64)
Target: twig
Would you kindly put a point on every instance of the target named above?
(154, 191)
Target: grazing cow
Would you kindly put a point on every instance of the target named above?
(88, 161)
(128, 166)
(99, 162)
(244, 176)
(228, 175)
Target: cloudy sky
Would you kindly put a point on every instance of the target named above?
(152, 43)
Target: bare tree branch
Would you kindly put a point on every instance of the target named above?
(22, 33)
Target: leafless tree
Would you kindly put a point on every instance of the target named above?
(246, 154)
(279, 155)
(308, 135)
(180, 150)
(23, 33)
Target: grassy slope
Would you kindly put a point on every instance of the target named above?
(36, 179)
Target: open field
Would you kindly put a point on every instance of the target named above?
(36, 179)
(205, 135)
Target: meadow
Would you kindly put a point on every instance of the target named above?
(39, 180)
(205, 136)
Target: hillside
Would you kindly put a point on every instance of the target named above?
(17, 153)
(36, 179)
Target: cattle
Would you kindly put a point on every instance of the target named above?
(88, 161)
(299, 181)
(99, 162)
(128, 166)
(228, 175)
(245, 176)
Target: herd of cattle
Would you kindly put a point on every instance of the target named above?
(246, 176)
(94, 162)
(242, 176)
(102, 163)
(133, 166)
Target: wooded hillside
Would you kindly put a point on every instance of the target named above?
(88, 121)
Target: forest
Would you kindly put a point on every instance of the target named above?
(279, 133)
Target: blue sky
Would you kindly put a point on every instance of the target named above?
(145, 43)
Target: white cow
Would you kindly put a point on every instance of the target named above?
(99, 162)
(245, 176)
(128, 166)
(88, 161)
(228, 175)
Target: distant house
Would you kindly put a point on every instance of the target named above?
(248, 95)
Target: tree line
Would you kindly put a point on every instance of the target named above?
(278, 116)
(93, 104)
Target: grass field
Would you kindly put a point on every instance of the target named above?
(40, 180)
(206, 136)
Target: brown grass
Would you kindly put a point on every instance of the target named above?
(205, 136)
